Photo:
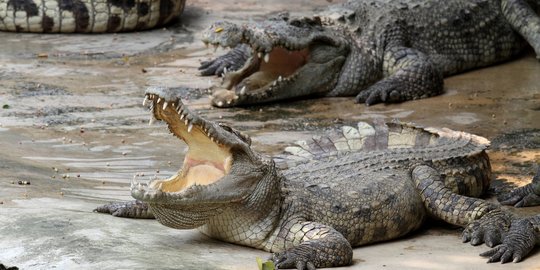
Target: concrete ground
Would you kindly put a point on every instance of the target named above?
(72, 125)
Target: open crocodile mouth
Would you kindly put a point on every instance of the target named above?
(266, 69)
(282, 54)
(207, 160)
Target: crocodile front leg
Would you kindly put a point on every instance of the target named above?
(314, 245)
(528, 195)
(524, 20)
(409, 74)
(131, 209)
(483, 222)
(523, 235)
(232, 60)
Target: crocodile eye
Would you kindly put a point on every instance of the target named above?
(244, 137)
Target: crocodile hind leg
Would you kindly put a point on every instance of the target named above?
(409, 74)
(524, 20)
(483, 222)
(528, 195)
(314, 245)
(131, 209)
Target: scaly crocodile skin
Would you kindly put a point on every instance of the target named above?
(86, 16)
(352, 186)
(377, 50)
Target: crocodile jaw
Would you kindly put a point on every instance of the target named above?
(283, 56)
(208, 159)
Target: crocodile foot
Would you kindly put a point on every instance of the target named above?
(297, 257)
(231, 61)
(520, 197)
(528, 195)
(132, 209)
(489, 229)
(519, 241)
(380, 92)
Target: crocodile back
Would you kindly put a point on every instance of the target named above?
(369, 148)
(427, 142)
(86, 16)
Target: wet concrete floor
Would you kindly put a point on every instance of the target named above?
(72, 125)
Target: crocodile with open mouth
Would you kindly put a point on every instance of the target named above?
(377, 50)
(354, 186)
(86, 16)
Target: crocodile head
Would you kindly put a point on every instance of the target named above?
(288, 56)
(219, 168)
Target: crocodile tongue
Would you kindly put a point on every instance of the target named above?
(265, 71)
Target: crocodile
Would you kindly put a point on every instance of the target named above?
(86, 16)
(350, 187)
(381, 51)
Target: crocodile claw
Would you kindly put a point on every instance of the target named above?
(379, 93)
(289, 259)
(231, 61)
(132, 209)
(489, 229)
(528, 195)
(516, 245)
(519, 199)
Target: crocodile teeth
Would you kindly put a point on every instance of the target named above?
(220, 103)
(178, 107)
(181, 115)
(267, 57)
(145, 100)
(165, 104)
(186, 122)
(259, 54)
(280, 79)
(158, 100)
(151, 122)
(189, 128)
(243, 90)
(224, 70)
(274, 83)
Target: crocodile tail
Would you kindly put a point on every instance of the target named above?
(86, 16)
(379, 136)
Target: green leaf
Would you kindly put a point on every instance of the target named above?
(268, 265)
(259, 263)
(6, 106)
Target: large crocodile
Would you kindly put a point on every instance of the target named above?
(356, 186)
(377, 50)
(86, 16)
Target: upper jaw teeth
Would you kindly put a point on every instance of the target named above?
(181, 110)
